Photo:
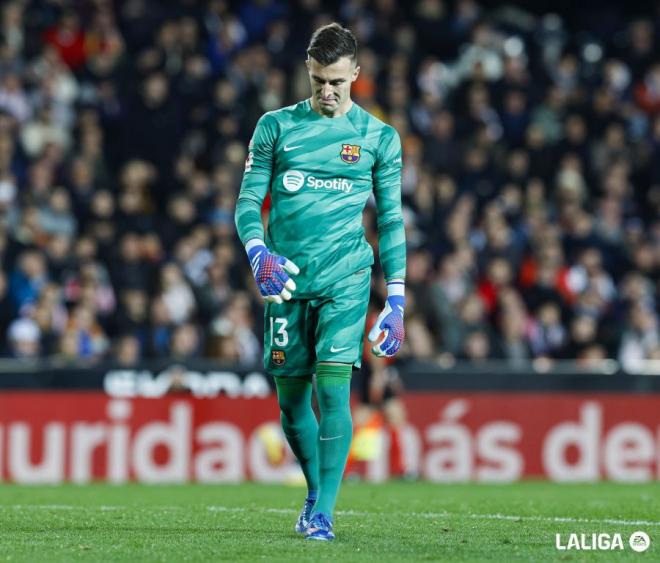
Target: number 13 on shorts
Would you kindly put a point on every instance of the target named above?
(301, 332)
(278, 334)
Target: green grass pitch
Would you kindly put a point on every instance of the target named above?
(391, 522)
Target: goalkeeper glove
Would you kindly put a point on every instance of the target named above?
(270, 272)
(390, 322)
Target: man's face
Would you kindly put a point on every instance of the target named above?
(331, 85)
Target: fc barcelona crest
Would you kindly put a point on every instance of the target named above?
(350, 153)
(278, 357)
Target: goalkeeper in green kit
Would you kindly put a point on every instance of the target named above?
(321, 159)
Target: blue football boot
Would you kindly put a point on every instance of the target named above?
(305, 514)
(319, 528)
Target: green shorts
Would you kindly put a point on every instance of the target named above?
(328, 328)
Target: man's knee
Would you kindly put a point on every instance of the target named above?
(333, 397)
(287, 411)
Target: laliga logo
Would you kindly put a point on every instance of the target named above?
(639, 541)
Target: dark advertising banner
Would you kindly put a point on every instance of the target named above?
(206, 379)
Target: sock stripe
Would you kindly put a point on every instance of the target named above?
(333, 374)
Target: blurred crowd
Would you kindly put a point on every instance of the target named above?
(531, 183)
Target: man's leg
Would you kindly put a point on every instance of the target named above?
(338, 346)
(288, 356)
(300, 426)
(333, 383)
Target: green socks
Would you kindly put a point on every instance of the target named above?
(322, 449)
(294, 395)
(335, 431)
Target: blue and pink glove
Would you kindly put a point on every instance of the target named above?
(390, 322)
(271, 272)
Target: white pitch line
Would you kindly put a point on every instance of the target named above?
(432, 515)
(566, 519)
(427, 515)
(515, 518)
(38, 506)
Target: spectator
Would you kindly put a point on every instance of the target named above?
(41, 132)
(160, 329)
(28, 279)
(513, 330)
(640, 339)
(69, 40)
(6, 307)
(185, 342)
(127, 351)
(133, 316)
(236, 331)
(583, 333)
(24, 339)
(56, 217)
(13, 98)
(68, 350)
(547, 333)
(176, 294)
(476, 347)
(89, 335)
(129, 269)
(213, 295)
(154, 131)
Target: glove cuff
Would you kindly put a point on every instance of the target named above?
(253, 243)
(396, 288)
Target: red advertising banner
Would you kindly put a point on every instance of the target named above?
(79, 437)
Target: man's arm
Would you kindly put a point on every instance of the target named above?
(271, 271)
(256, 180)
(387, 191)
(391, 243)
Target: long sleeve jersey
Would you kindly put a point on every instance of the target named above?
(320, 172)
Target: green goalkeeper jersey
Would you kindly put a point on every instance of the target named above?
(320, 172)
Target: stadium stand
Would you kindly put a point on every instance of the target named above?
(531, 185)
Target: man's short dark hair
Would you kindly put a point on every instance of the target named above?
(331, 42)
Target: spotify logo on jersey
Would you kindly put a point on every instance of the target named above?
(293, 180)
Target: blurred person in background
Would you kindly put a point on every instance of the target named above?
(159, 329)
(381, 412)
(185, 343)
(234, 328)
(24, 338)
(6, 310)
(513, 345)
(476, 347)
(28, 279)
(214, 292)
(90, 337)
(547, 335)
(127, 351)
(68, 38)
(129, 269)
(640, 339)
(176, 294)
(132, 316)
(13, 98)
